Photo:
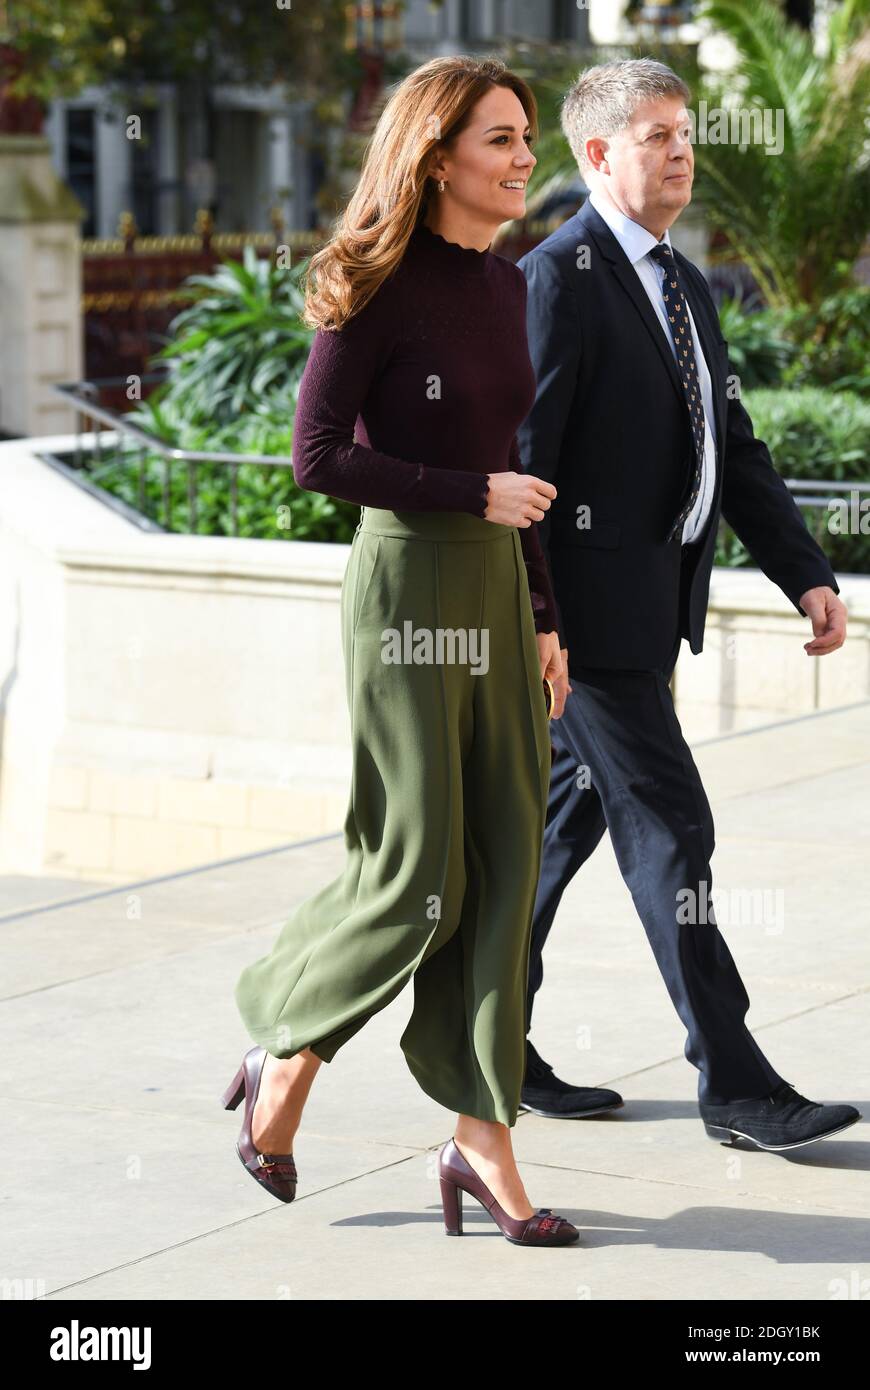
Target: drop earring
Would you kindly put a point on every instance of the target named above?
(440, 185)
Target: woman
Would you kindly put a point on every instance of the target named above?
(448, 625)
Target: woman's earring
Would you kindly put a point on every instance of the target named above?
(440, 185)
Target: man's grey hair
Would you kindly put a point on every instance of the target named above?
(604, 99)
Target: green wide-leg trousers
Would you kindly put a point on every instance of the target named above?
(445, 823)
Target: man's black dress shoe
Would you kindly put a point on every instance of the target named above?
(543, 1093)
(781, 1120)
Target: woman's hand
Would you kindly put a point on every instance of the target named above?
(554, 665)
(517, 499)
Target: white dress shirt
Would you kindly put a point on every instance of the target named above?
(637, 242)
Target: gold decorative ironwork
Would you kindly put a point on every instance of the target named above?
(374, 24)
(222, 241)
(204, 224)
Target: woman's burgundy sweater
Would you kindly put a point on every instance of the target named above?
(419, 395)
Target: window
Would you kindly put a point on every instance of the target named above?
(81, 164)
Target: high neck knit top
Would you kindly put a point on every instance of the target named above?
(419, 395)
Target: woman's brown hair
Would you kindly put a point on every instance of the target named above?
(427, 111)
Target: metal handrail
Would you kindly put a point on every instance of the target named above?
(81, 394)
(808, 484)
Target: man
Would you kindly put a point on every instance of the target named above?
(636, 424)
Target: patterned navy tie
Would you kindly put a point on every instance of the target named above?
(681, 332)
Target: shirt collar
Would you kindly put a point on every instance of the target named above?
(634, 239)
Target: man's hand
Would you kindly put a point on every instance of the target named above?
(828, 616)
(554, 665)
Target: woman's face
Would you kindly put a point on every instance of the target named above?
(492, 152)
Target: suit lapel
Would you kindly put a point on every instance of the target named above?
(588, 220)
(627, 277)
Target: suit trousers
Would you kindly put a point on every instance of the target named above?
(445, 821)
(621, 763)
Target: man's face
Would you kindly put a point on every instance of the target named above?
(649, 166)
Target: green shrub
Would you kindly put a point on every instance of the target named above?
(242, 340)
(757, 351)
(269, 505)
(812, 433)
(831, 343)
(235, 364)
(828, 346)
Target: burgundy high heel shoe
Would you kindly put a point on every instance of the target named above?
(457, 1176)
(275, 1172)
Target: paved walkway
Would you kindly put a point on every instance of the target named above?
(120, 1030)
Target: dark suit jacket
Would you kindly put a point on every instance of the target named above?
(610, 429)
